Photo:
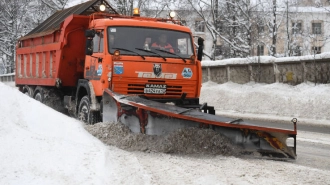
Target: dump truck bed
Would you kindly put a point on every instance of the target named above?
(52, 56)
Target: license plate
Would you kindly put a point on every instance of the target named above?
(155, 89)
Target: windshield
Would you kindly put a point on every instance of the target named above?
(141, 41)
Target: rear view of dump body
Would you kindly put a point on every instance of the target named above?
(52, 57)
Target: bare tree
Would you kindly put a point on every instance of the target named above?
(239, 24)
(13, 14)
(55, 4)
(155, 8)
(273, 17)
(17, 18)
(316, 38)
(206, 11)
(124, 7)
(293, 28)
(151, 8)
(41, 11)
(230, 21)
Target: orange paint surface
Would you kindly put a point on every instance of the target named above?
(44, 58)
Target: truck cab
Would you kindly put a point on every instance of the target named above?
(125, 55)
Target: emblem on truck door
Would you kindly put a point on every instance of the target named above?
(118, 68)
(99, 70)
(157, 69)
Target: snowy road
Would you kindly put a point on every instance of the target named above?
(313, 150)
(313, 141)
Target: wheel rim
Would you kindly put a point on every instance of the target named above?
(38, 97)
(83, 113)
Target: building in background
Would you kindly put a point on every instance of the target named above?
(302, 30)
(303, 33)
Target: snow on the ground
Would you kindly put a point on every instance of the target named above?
(41, 146)
(264, 59)
(308, 102)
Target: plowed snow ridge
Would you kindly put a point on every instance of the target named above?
(182, 141)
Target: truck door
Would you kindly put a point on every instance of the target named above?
(94, 66)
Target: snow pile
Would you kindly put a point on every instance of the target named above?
(261, 59)
(42, 146)
(183, 141)
(304, 101)
(325, 55)
(264, 59)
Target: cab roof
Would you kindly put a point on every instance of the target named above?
(140, 22)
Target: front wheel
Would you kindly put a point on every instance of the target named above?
(84, 113)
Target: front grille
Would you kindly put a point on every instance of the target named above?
(135, 89)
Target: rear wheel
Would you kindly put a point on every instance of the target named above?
(84, 113)
(28, 91)
(39, 96)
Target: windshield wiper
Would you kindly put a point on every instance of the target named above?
(151, 52)
(130, 51)
(172, 54)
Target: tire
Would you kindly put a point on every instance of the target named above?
(84, 113)
(39, 96)
(28, 91)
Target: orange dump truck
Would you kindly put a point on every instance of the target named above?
(142, 72)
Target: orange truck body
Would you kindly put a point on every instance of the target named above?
(57, 59)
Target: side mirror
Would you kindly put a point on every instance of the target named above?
(90, 34)
(200, 48)
(89, 46)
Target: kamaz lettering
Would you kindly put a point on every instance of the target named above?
(160, 86)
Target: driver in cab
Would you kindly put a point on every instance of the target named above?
(162, 44)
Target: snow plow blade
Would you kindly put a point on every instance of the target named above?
(154, 118)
